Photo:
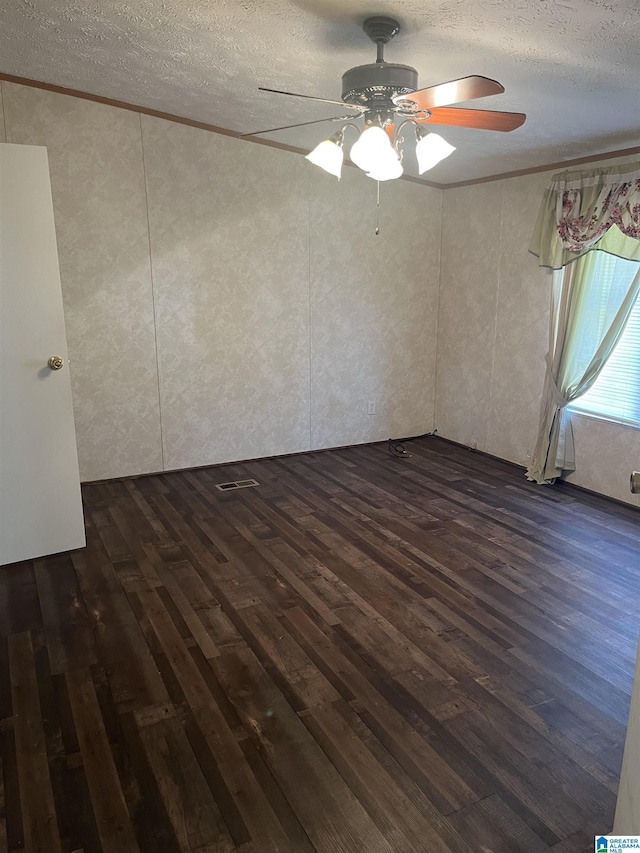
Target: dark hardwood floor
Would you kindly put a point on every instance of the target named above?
(364, 654)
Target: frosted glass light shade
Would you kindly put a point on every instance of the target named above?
(372, 147)
(329, 156)
(388, 170)
(431, 148)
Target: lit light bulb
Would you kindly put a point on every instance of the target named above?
(328, 155)
(371, 149)
(431, 148)
(387, 171)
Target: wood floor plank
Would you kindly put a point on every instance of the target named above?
(422, 825)
(363, 652)
(67, 626)
(287, 664)
(13, 819)
(496, 828)
(75, 811)
(116, 630)
(308, 780)
(36, 794)
(112, 817)
(545, 797)
(440, 782)
(188, 801)
(224, 747)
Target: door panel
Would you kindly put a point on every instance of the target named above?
(627, 820)
(40, 502)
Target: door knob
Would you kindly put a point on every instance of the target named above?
(55, 362)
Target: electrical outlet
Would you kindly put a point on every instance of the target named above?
(371, 407)
(473, 445)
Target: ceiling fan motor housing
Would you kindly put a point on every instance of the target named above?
(373, 86)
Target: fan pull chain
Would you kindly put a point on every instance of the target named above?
(378, 210)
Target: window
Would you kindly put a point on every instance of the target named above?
(615, 395)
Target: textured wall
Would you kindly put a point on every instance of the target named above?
(229, 225)
(223, 301)
(2, 134)
(97, 181)
(493, 336)
(373, 308)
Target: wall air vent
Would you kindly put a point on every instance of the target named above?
(238, 484)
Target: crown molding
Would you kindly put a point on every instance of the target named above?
(212, 128)
(560, 164)
(201, 125)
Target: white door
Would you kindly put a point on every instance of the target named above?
(40, 503)
(627, 820)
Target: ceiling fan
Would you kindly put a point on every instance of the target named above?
(382, 91)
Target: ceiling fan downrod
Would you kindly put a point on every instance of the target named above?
(373, 86)
(381, 30)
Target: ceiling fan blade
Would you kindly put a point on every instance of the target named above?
(454, 92)
(479, 119)
(311, 98)
(301, 124)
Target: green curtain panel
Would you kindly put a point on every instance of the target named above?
(581, 341)
(582, 215)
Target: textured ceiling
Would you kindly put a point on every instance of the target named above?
(572, 65)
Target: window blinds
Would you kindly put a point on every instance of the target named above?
(615, 395)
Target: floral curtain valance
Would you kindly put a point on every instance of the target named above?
(582, 211)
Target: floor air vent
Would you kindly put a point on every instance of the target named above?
(238, 484)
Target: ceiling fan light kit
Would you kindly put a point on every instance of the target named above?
(383, 91)
(329, 154)
(387, 171)
(431, 148)
(374, 153)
